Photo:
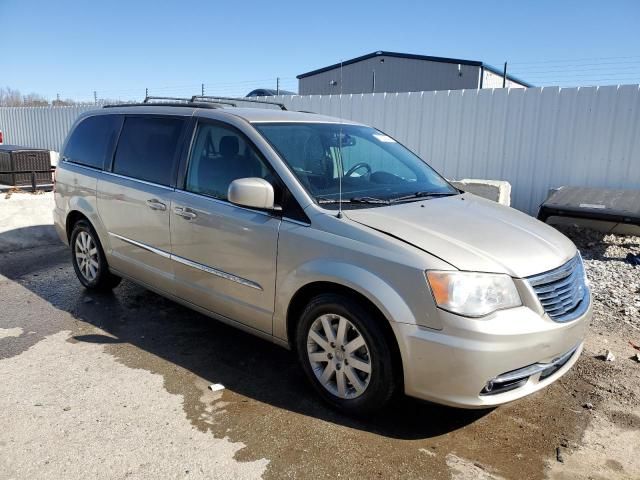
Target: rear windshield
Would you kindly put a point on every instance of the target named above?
(373, 167)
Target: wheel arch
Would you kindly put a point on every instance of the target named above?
(85, 209)
(305, 293)
(73, 217)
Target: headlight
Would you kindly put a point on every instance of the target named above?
(473, 294)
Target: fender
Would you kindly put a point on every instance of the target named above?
(394, 308)
(88, 207)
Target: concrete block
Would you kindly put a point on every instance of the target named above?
(496, 190)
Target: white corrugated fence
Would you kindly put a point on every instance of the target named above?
(536, 138)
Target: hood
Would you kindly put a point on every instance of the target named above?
(473, 234)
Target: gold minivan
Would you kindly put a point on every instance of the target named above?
(327, 237)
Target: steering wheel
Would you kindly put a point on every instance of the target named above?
(358, 166)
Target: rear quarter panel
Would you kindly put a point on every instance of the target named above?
(76, 191)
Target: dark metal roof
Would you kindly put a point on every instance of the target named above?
(411, 56)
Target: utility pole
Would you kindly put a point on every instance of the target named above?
(202, 89)
(278, 86)
(504, 76)
(146, 93)
(95, 97)
(57, 97)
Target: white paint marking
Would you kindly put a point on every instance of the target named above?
(10, 332)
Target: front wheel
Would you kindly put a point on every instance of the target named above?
(345, 354)
(88, 259)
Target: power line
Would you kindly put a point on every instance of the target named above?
(586, 75)
(590, 66)
(587, 82)
(573, 60)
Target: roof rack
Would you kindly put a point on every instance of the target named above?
(193, 99)
(165, 102)
(196, 101)
(216, 99)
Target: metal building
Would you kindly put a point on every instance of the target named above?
(402, 72)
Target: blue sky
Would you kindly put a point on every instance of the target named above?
(120, 47)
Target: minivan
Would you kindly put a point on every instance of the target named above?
(327, 237)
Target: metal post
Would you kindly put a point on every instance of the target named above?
(278, 86)
(504, 76)
(146, 93)
(202, 89)
(373, 83)
(33, 182)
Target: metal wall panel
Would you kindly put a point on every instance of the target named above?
(39, 127)
(536, 138)
(392, 75)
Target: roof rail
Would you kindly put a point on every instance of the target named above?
(165, 102)
(215, 99)
(189, 100)
(196, 101)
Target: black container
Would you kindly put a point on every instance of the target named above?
(18, 165)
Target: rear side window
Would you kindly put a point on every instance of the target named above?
(92, 141)
(147, 149)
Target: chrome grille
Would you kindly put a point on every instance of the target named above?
(562, 292)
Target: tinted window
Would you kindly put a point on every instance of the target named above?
(147, 148)
(219, 156)
(92, 140)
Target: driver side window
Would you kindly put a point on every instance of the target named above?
(219, 156)
(365, 151)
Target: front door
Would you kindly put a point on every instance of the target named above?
(224, 255)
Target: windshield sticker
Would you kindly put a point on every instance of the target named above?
(384, 138)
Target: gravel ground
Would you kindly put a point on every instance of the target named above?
(615, 283)
(612, 388)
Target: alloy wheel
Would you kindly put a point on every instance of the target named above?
(339, 356)
(86, 253)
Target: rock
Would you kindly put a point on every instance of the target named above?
(216, 387)
(636, 357)
(609, 356)
(588, 405)
(559, 456)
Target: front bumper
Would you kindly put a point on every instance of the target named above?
(455, 366)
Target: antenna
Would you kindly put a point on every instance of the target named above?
(340, 169)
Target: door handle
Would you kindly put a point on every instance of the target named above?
(185, 213)
(155, 204)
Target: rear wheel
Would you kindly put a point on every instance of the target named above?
(345, 354)
(88, 259)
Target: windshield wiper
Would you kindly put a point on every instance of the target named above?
(370, 200)
(421, 195)
(360, 200)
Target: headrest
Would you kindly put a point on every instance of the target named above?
(229, 146)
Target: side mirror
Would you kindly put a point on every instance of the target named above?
(252, 193)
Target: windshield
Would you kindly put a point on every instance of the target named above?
(375, 168)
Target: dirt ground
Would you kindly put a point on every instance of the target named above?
(115, 386)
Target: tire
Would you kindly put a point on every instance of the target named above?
(316, 354)
(94, 274)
